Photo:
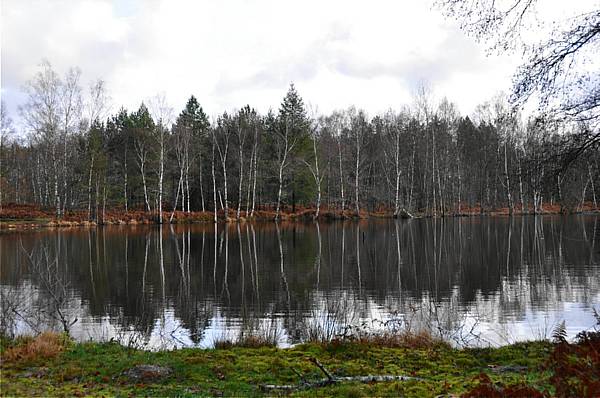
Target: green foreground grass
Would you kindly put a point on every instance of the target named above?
(97, 369)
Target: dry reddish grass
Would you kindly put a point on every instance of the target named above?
(547, 208)
(31, 215)
(21, 212)
(44, 346)
(412, 340)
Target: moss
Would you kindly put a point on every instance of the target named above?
(98, 369)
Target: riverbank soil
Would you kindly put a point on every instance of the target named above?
(53, 365)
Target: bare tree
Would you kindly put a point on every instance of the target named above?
(423, 99)
(179, 145)
(391, 149)
(243, 119)
(558, 71)
(6, 130)
(43, 114)
(162, 114)
(221, 135)
(314, 169)
(359, 127)
(72, 106)
(255, 172)
(97, 106)
(339, 123)
(44, 265)
(285, 145)
(142, 150)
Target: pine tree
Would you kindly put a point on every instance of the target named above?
(293, 117)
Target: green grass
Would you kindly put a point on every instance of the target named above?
(96, 369)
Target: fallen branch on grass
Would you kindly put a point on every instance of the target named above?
(331, 379)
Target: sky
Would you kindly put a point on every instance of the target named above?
(372, 55)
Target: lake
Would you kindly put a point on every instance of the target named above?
(477, 280)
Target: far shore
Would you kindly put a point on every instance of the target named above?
(18, 217)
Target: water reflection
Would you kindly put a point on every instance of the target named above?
(506, 278)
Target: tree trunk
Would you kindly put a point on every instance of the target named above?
(356, 175)
(214, 186)
(341, 175)
(179, 187)
(125, 168)
(89, 189)
(591, 180)
(104, 202)
(254, 182)
(249, 186)
(142, 169)
(56, 194)
(161, 175)
(239, 205)
(280, 189)
(226, 206)
(434, 210)
(201, 189)
(508, 191)
(187, 179)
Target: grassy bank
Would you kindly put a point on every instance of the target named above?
(53, 365)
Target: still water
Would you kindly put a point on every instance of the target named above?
(482, 280)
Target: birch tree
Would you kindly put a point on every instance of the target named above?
(359, 126)
(43, 115)
(242, 126)
(96, 106)
(285, 144)
(6, 129)
(221, 137)
(391, 150)
(71, 103)
(143, 130)
(162, 114)
(314, 168)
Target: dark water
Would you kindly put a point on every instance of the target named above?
(500, 279)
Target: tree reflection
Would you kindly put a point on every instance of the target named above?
(137, 278)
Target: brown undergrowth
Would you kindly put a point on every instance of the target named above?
(22, 216)
(44, 346)
(576, 367)
(574, 370)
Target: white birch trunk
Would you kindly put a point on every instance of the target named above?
(214, 185)
(161, 175)
(254, 182)
(89, 189)
(357, 180)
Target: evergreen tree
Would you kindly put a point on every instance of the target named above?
(293, 117)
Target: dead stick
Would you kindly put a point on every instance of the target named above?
(327, 382)
(320, 366)
(300, 375)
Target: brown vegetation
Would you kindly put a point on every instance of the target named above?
(487, 389)
(20, 216)
(574, 369)
(423, 339)
(27, 349)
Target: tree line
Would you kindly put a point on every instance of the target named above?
(425, 157)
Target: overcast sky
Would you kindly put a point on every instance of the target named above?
(231, 53)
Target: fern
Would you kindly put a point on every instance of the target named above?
(559, 334)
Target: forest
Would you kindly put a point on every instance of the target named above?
(421, 158)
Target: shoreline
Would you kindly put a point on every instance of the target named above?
(26, 217)
(53, 364)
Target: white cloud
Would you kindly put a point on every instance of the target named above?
(240, 52)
